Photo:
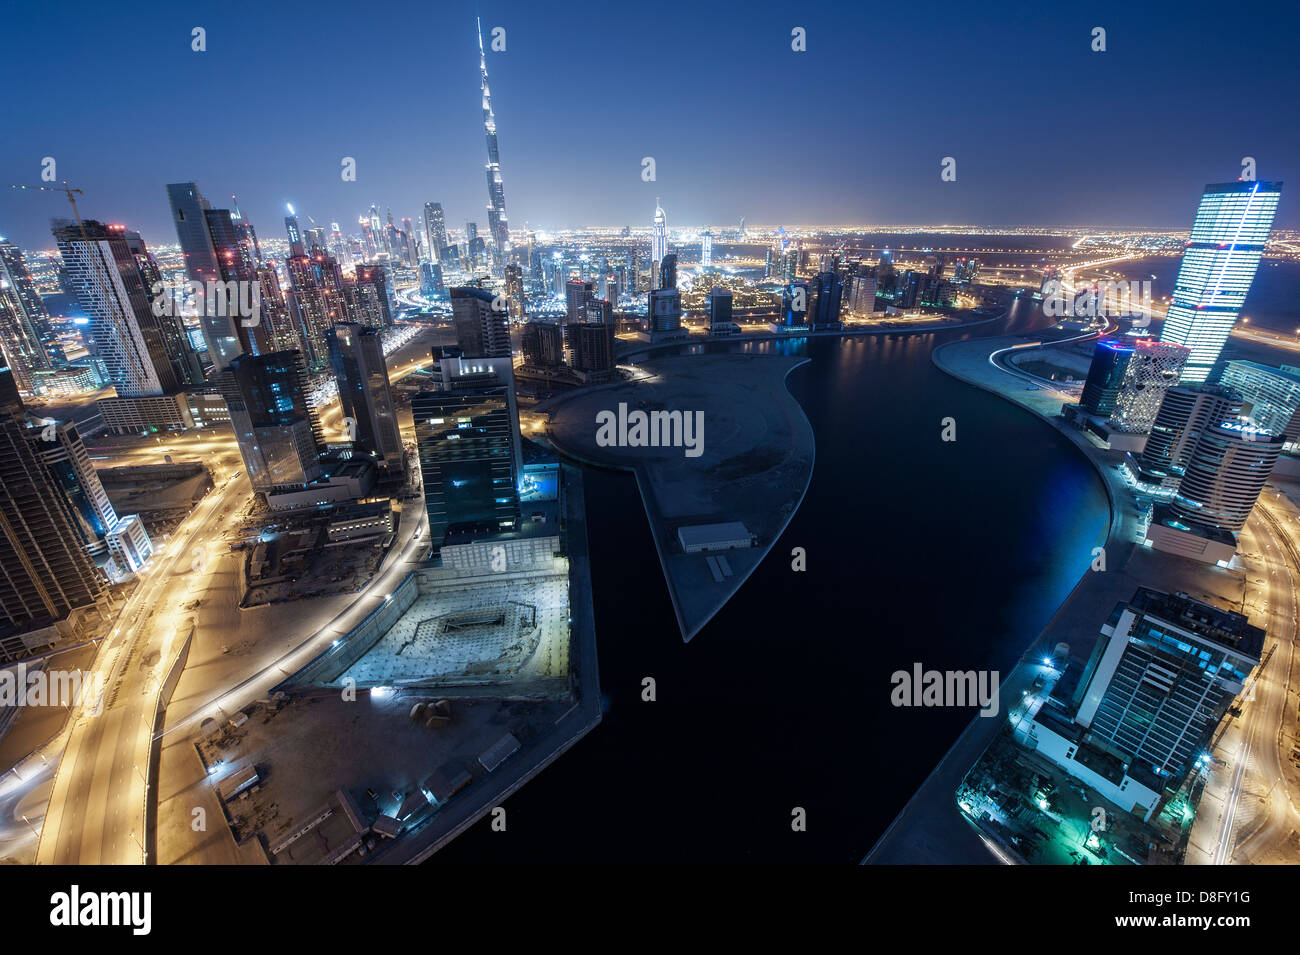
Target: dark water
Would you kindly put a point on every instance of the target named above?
(954, 555)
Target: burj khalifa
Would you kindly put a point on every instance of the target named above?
(498, 225)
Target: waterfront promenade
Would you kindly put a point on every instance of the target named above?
(931, 829)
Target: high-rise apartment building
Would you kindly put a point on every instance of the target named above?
(1224, 475)
(1270, 396)
(45, 571)
(124, 333)
(1184, 414)
(482, 329)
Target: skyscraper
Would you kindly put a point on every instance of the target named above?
(482, 330)
(515, 290)
(45, 572)
(497, 223)
(592, 344)
(706, 249)
(542, 344)
(658, 242)
(825, 299)
(27, 338)
(1270, 396)
(1184, 414)
(274, 422)
(124, 331)
(1153, 369)
(357, 354)
(378, 283)
(719, 306)
(467, 433)
(215, 251)
(1105, 376)
(576, 295)
(1228, 236)
(665, 311)
(435, 227)
(317, 300)
(1226, 470)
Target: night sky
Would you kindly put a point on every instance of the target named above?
(1044, 130)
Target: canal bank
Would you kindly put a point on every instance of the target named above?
(931, 829)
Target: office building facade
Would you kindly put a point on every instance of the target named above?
(1228, 236)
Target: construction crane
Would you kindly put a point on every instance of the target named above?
(66, 190)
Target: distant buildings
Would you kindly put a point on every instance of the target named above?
(1227, 241)
(658, 242)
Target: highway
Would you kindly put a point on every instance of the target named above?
(98, 802)
(1248, 809)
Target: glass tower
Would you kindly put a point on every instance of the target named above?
(1232, 225)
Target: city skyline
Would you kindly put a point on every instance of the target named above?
(371, 523)
(885, 169)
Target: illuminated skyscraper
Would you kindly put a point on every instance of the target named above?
(208, 258)
(435, 227)
(658, 242)
(1225, 473)
(26, 335)
(1232, 225)
(706, 249)
(112, 290)
(1105, 376)
(496, 207)
(1185, 413)
(45, 572)
(1153, 370)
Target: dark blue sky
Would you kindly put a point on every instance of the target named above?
(1044, 131)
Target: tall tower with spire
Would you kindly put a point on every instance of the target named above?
(658, 242)
(496, 207)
